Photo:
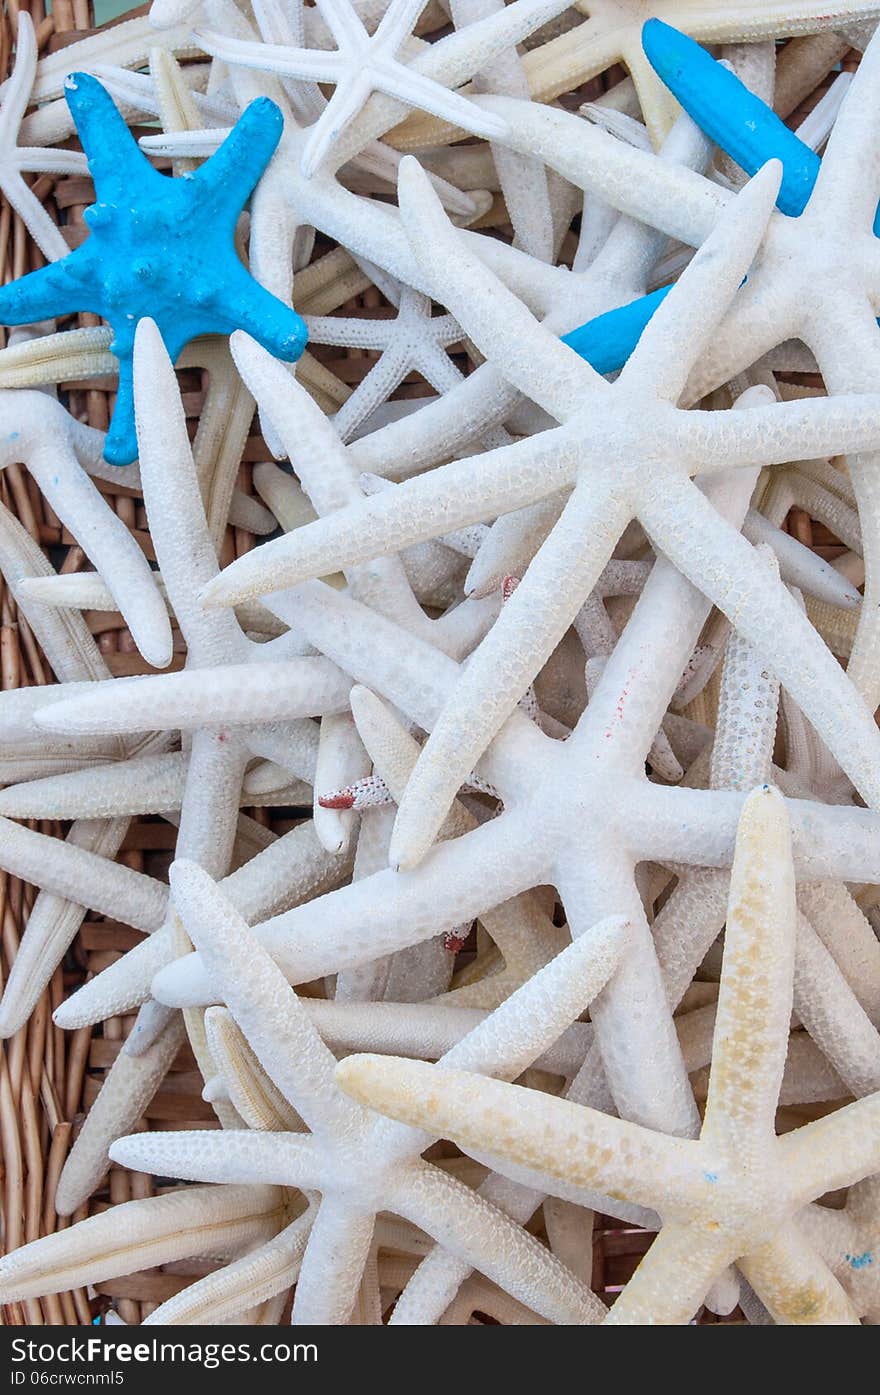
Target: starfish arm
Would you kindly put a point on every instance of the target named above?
(51, 926)
(492, 315)
(70, 871)
(123, 986)
(535, 1016)
(687, 926)
(42, 228)
(344, 22)
(549, 1136)
(833, 1016)
(229, 1155)
(425, 507)
(423, 94)
(672, 1280)
(751, 1025)
(795, 1284)
(737, 120)
(531, 624)
(849, 937)
(184, 549)
(146, 785)
(220, 1297)
(492, 1243)
(379, 914)
(770, 618)
(326, 472)
(115, 162)
(675, 200)
(671, 605)
(234, 694)
(249, 306)
(17, 88)
(307, 64)
(608, 340)
(799, 566)
(805, 429)
(139, 1234)
(224, 183)
(333, 1265)
(848, 176)
(37, 159)
(128, 1087)
(266, 1009)
(109, 545)
(386, 375)
(834, 1151)
(829, 841)
(686, 319)
(51, 291)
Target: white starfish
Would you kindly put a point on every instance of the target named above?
(630, 453)
(60, 453)
(359, 1167)
(578, 815)
(732, 1196)
(361, 65)
(15, 158)
(414, 340)
(794, 291)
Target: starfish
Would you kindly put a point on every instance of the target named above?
(580, 815)
(413, 340)
(187, 1223)
(612, 34)
(362, 64)
(15, 158)
(218, 754)
(636, 409)
(734, 1194)
(60, 453)
(847, 1240)
(170, 252)
(388, 1174)
(783, 299)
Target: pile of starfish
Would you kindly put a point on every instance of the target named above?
(579, 915)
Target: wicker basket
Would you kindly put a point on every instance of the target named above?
(49, 1078)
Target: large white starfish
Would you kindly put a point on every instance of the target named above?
(733, 1195)
(629, 452)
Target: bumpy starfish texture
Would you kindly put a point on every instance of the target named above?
(734, 1194)
(160, 247)
(389, 1174)
(362, 64)
(566, 567)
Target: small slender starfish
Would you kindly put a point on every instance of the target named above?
(159, 246)
(362, 64)
(15, 158)
(734, 1195)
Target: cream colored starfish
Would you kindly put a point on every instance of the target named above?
(612, 34)
(733, 1195)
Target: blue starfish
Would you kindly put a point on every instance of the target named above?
(744, 127)
(159, 247)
